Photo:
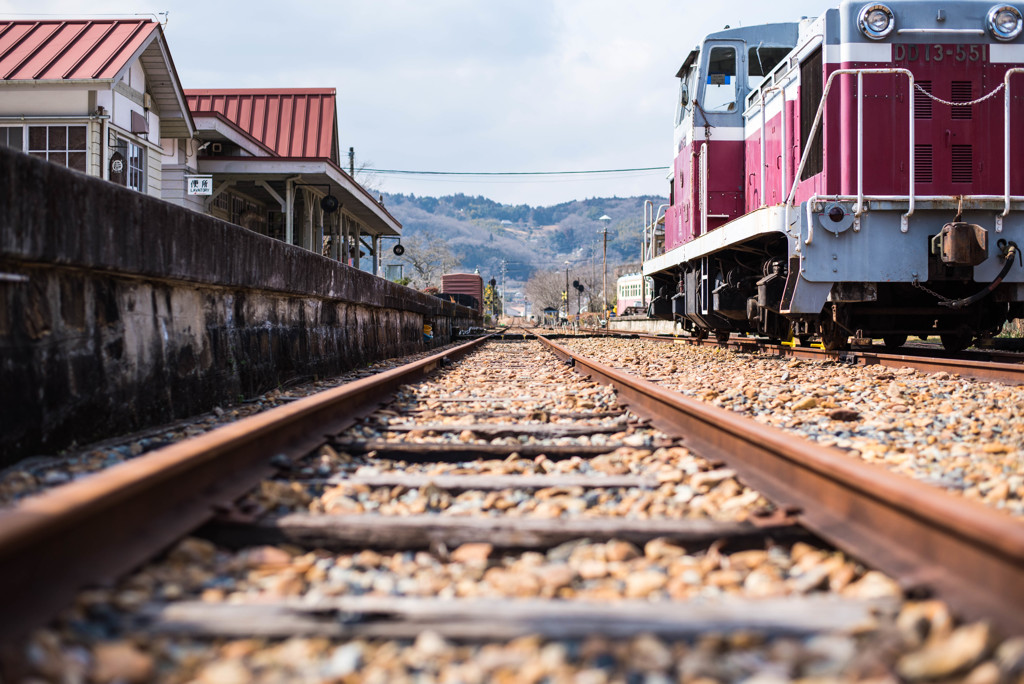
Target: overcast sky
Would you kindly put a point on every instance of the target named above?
(464, 85)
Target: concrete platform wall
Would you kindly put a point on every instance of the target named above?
(119, 311)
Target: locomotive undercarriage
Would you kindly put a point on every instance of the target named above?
(744, 291)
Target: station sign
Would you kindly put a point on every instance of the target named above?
(199, 185)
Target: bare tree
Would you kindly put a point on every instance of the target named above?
(372, 182)
(544, 288)
(427, 258)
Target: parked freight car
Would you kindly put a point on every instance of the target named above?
(468, 284)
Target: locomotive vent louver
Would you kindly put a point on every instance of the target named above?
(963, 164)
(923, 103)
(922, 163)
(962, 92)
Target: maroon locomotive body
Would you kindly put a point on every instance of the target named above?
(860, 174)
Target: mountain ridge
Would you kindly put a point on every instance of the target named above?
(528, 239)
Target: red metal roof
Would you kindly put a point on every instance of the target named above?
(293, 122)
(70, 50)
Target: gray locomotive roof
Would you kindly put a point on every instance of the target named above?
(771, 34)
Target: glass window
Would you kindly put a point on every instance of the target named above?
(720, 84)
(761, 60)
(64, 145)
(12, 136)
(128, 164)
(136, 167)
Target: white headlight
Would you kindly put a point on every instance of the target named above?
(1004, 21)
(876, 21)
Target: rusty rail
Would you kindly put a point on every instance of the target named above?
(91, 531)
(966, 553)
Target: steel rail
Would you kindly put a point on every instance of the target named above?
(968, 554)
(1011, 373)
(91, 531)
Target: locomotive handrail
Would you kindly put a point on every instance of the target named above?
(1006, 151)
(651, 220)
(905, 219)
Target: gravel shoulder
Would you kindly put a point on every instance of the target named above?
(962, 435)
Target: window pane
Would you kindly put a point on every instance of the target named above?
(720, 87)
(58, 138)
(11, 137)
(760, 62)
(37, 137)
(76, 161)
(136, 167)
(76, 137)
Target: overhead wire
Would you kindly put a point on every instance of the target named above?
(514, 173)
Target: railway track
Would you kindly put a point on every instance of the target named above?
(401, 505)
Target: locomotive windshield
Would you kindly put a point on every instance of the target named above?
(720, 86)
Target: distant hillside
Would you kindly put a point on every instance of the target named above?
(529, 238)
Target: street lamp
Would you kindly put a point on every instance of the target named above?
(605, 219)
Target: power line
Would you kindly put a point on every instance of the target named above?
(511, 173)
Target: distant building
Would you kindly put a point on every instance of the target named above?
(95, 96)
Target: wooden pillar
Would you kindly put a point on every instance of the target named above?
(307, 233)
(289, 212)
(335, 236)
(318, 234)
(345, 236)
(357, 248)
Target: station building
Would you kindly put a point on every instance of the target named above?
(103, 98)
(95, 96)
(272, 157)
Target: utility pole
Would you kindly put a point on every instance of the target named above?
(352, 162)
(606, 219)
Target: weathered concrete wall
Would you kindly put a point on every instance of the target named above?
(126, 311)
(644, 325)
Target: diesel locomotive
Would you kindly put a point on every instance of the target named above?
(857, 175)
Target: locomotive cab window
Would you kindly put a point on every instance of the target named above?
(720, 83)
(760, 62)
(687, 91)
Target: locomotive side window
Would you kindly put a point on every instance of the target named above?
(682, 101)
(687, 91)
(761, 60)
(720, 85)
(811, 89)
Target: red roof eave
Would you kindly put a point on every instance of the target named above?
(69, 50)
(291, 121)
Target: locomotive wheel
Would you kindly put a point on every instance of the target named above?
(834, 337)
(700, 334)
(805, 340)
(722, 336)
(954, 342)
(894, 341)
